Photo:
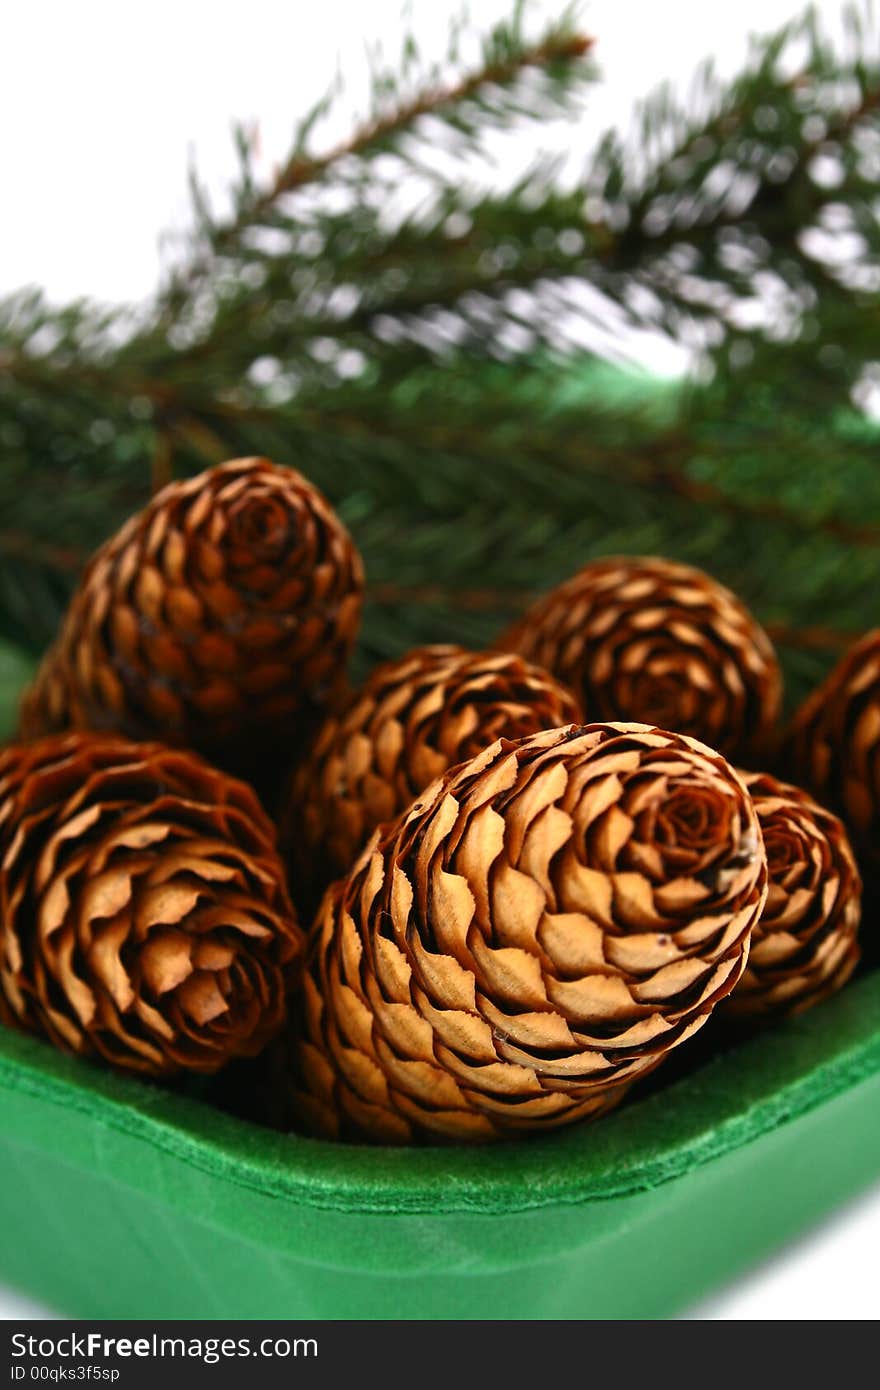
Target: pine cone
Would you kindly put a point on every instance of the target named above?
(144, 916)
(220, 618)
(538, 931)
(805, 945)
(833, 744)
(660, 642)
(414, 718)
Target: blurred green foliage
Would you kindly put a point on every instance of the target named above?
(15, 670)
(438, 366)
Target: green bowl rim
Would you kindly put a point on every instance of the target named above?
(743, 1093)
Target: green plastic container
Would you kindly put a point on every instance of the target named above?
(121, 1200)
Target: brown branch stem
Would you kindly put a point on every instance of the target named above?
(301, 170)
(68, 559)
(657, 465)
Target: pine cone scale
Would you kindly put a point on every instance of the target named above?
(648, 639)
(805, 944)
(129, 932)
(447, 935)
(413, 719)
(220, 618)
(834, 742)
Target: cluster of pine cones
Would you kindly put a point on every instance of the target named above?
(530, 873)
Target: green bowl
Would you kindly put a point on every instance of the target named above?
(119, 1199)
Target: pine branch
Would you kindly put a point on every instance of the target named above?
(659, 248)
(507, 55)
(676, 207)
(420, 366)
(559, 46)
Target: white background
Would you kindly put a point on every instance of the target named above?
(101, 107)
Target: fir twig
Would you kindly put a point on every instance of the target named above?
(426, 363)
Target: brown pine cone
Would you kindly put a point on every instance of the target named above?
(414, 718)
(660, 642)
(220, 617)
(805, 946)
(538, 931)
(144, 916)
(833, 745)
